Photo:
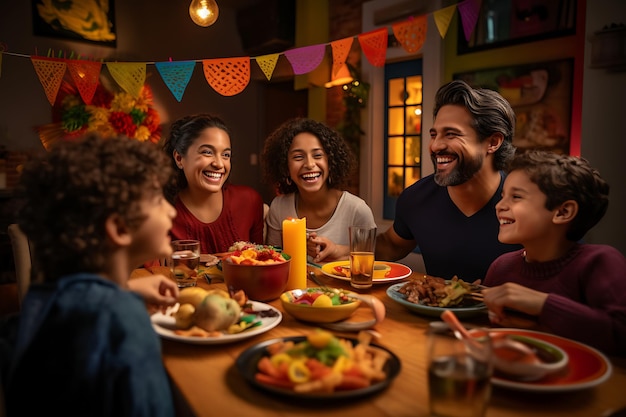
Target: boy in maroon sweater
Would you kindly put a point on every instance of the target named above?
(565, 287)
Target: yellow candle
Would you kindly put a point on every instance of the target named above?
(294, 245)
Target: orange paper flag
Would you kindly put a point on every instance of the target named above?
(228, 76)
(50, 72)
(86, 75)
(131, 76)
(411, 34)
(374, 46)
(341, 48)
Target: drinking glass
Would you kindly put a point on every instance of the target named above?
(184, 262)
(459, 373)
(362, 243)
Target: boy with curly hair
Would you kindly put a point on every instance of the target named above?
(94, 211)
(569, 288)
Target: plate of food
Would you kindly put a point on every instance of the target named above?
(254, 318)
(319, 366)
(586, 366)
(431, 296)
(384, 272)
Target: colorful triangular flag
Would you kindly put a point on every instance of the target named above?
(443, 18)
(227, 76)
(341, 49)
(305, 59)
(50, 72)
(131, 76)
(267, 63)
(86, 76)
(374, 46)
(469, 10)
(411, 33)
(176, 75)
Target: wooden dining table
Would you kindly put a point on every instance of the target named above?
(207, 382)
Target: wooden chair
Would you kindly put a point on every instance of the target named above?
(22, 256)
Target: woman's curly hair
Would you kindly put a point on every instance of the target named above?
(341, 160)
(562, 178)
(69, 192)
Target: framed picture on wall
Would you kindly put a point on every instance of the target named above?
(508, 22)
(541, 96)
(90, 21)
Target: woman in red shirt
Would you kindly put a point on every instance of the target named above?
(210, 209)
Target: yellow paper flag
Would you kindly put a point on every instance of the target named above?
(267, 63)
(131, 76)
(443, 18)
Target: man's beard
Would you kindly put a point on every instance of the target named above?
(463, 172)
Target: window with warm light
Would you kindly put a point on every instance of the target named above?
(403, 130)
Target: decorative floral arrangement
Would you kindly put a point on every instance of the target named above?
(110, 114)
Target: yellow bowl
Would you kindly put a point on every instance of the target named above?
(317, 314)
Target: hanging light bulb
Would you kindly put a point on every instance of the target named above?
(203, 12)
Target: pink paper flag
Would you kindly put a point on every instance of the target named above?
(468, 10)
(305, 59)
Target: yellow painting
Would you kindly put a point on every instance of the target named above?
(84, 20)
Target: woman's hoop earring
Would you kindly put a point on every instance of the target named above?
(288, 181)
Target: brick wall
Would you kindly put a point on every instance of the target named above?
(345, 21)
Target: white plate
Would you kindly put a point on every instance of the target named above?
(396, 273)
(460, 312)
(164, 325)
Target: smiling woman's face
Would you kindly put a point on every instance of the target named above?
(308, 163)
(207, 161)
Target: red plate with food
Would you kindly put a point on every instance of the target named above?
(384, 272)
(586, 368)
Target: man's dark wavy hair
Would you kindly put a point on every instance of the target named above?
(490, 112)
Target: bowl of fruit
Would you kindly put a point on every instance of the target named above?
(320, 305)
(261, 271)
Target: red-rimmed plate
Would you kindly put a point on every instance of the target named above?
(396, 271)
(587, 367)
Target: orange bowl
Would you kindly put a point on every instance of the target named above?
(259, 282)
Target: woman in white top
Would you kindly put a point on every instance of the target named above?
(309, 163)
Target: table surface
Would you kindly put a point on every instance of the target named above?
(207, 379)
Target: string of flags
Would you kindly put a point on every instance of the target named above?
(230, 76)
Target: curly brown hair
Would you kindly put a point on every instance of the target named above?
(274, 158)
(69, 192)
(562, 178)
